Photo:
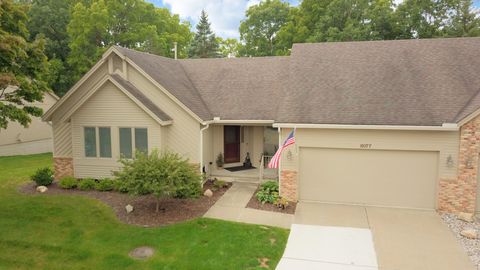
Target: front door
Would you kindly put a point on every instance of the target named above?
(231, 138)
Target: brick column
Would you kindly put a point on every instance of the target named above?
(289, 185)
(459, 195)
(63, 167)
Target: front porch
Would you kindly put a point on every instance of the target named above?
(248, 148)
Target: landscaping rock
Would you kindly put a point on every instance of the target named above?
(129, 208)
(208, 193)
(142, 253)
(467, 217)
(469, 233)
(42, 189)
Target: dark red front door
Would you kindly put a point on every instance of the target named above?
(231, 139)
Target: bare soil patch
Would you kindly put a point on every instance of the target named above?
(173, 210)
(255, 204)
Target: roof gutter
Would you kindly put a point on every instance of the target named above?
(443, 127)
(217, 120)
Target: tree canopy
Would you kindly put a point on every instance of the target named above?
(259, 30)
(128, 23)
(23, 67)
(352, 20)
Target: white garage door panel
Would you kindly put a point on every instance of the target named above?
(372, 177)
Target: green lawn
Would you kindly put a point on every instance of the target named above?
(74, 232)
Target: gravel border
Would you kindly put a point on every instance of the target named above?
(471, 246)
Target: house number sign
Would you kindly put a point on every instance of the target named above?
(366, 145)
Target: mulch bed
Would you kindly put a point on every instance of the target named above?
(174, 210)
(255, 204)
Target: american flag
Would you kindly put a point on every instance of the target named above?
(273, 164)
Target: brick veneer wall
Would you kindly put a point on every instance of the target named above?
(63, 167)
(289, 185)
(459, 194)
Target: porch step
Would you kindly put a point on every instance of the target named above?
(237, 179)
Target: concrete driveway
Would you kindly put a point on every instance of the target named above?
(403, 239)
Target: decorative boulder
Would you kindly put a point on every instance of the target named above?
(469, 233)
(467, 217)
(129, 208)
(208, 193)
(42, 189)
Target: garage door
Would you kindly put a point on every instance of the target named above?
(371, 177)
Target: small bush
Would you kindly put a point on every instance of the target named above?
(104, 185)
(86, 184)
(120, 186)
(220, 184)
(68, 182)
(281, 203)
(43, 177)
(268, 192)
(160, 174)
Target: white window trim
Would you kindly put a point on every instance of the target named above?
(97, 142)
(134, 146)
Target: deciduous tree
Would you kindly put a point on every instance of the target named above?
(22, 67)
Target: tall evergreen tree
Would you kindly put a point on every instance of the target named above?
(204, 44)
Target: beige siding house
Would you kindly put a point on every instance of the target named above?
(36, 138)
(384, 123)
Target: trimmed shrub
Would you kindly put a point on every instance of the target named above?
(161, 174)
(104, 185)
(43, 177)
(86, 184)
(268, 192)
(68, 182)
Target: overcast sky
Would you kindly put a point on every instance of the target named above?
(225, 15)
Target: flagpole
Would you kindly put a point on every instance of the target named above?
(280, 161)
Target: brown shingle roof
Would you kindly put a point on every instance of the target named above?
(170, 74)
(405, 82)
(141, 97)
(239, 88)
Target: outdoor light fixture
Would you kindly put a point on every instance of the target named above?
(289, 155)
(449, 161)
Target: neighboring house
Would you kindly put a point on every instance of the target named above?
(386, 123)
(36, 138)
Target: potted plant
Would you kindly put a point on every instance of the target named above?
(220, 160)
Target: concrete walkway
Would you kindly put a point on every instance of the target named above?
(231, 206)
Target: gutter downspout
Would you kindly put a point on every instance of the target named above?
(201, 146)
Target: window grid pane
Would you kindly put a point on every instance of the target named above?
(90, 142)
(105, 142)
(126, 142)
(141, 140)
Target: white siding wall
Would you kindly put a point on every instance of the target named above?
(445, 142)
(62, 134)
(36, 138)
(108, 107)
(183, 136)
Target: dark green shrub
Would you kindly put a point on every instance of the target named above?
(268, 192)
(86, 184)
(105, 184)
(161, 174)
(120, 186)
(68, 182)
(43, 177)
(220, 184)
